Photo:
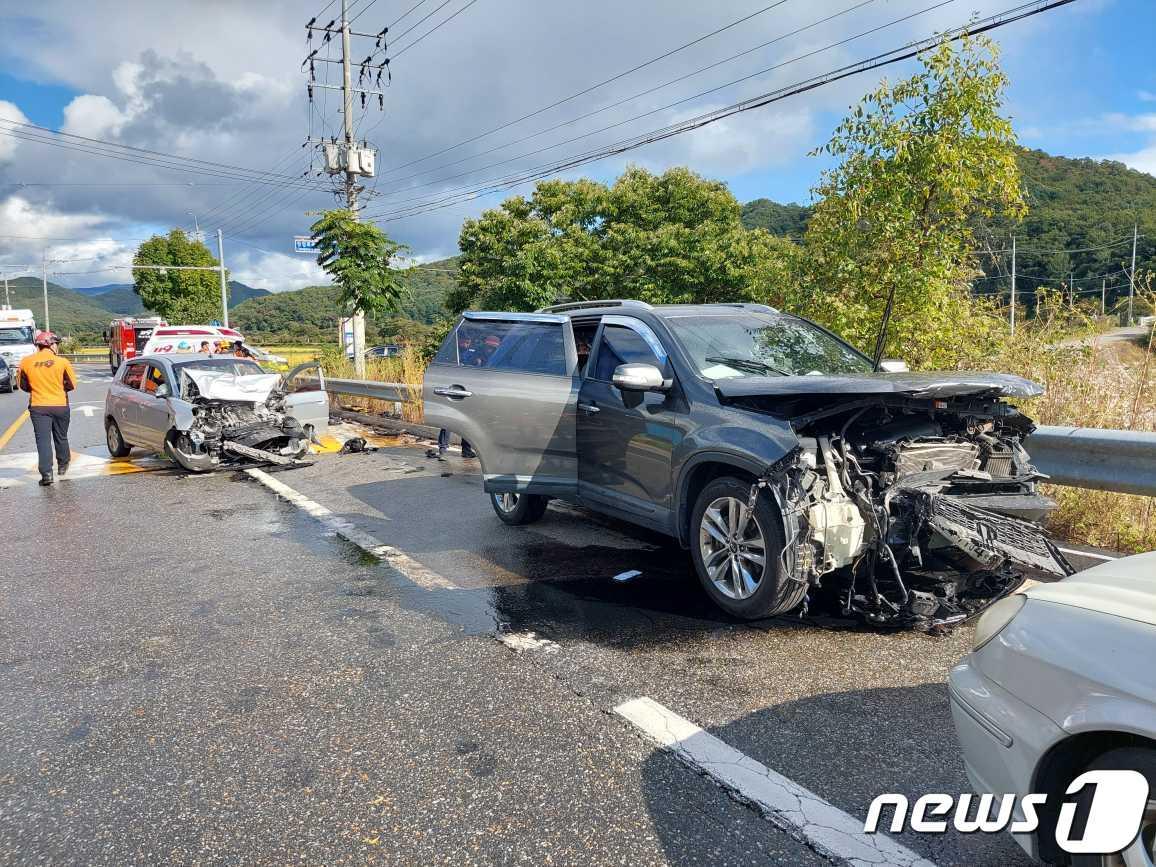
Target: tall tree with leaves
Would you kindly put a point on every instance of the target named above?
(918, 161)
(190, 297)
(668, 238)
(358, 257)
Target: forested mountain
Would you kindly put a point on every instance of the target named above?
(119, 298)
(788, 221)
(71, 314)
(311, 313)
(1083, 206)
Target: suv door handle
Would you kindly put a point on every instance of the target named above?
(456, 392)
(588, 408)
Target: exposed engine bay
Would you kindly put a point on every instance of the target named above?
(236, 419)
(911, 511)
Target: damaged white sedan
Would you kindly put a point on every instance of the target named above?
(205, 412)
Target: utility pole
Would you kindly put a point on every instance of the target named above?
(7, 300)
(224, 282)
(44, 286)
(1013, 288)
(1103, 297)
(1132, 274)
(351, 177)
(1072, 289)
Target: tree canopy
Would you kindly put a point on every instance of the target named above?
(177, 295)
(918, 162)
(358, 257)
(670, 238)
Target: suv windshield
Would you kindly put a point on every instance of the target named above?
(15, 335)
(762, 344)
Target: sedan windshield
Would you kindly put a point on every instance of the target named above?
(762, 344)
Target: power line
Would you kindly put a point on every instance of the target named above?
(633, 97)
(592, 87)
(432, 29)
(147, 153)
(693, 123)
(911, 49)
(398, 20)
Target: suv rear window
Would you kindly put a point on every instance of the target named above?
(527, 347)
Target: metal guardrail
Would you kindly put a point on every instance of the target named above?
(1105, 460)
(1123, 461)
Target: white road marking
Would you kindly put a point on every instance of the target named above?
(798, 811)
(399, 560)
(1104, 557)
(519, 641)
(87, 410)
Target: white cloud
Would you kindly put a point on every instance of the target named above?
(1143, 160)
(93, 116)
(9, 111)
(1146, 96)
(275, 272)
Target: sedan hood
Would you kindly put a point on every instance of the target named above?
(1124, 588)
(919, 385)
(246, 388)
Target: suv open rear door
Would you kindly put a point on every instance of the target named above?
(505, 383)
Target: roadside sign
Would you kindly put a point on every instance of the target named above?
(304, 244)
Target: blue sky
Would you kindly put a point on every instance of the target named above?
(227, 88)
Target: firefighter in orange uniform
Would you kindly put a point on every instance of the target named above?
(48, 378)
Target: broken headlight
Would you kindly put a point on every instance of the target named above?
(196, 437)
(993, 621)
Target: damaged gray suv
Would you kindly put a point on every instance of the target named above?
(796, 474)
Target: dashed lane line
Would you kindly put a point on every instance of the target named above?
(399, 560)
(798, 811)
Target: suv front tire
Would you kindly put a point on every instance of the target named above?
(737, 551)
(518, 509)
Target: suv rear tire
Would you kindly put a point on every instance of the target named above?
(519, 509)
(737, 560)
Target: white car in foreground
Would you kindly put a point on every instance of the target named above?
(1062, 680)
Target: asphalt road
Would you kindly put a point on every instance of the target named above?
(194, 671)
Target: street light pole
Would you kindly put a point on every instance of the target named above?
(224, 282)
(44, 286)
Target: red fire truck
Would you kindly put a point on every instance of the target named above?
(127, 337)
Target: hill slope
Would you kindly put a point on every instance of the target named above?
(71, 314)
(1073, 204)
(312, 313)
(119, 298)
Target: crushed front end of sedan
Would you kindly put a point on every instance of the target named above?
(235, 418)
(909, 500)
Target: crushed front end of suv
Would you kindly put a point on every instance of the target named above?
(799, 477)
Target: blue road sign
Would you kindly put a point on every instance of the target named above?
(304, 244)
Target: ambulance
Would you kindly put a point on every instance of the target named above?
(16, 330)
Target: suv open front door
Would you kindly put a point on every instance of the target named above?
(505, 383)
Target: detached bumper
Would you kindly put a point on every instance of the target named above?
(1002, 738)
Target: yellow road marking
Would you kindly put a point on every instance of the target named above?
(12, 428)
(328, 445)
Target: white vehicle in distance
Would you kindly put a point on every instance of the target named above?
(264, 356)
(188, 339)
(1062, 680)
(16, 330)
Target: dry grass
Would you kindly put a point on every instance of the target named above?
(406, 368)
(1099, 385)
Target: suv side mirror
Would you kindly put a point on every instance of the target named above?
(893, 365)
(639, 377)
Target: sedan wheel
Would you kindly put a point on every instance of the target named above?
(518, 509)
(733, 547)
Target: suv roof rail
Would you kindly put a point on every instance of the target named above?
(589, 305)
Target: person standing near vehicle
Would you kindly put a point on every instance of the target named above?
(48, 378)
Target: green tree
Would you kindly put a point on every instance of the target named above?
(918, 162)
(190, 297)
(667, 238)
(358, 257)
